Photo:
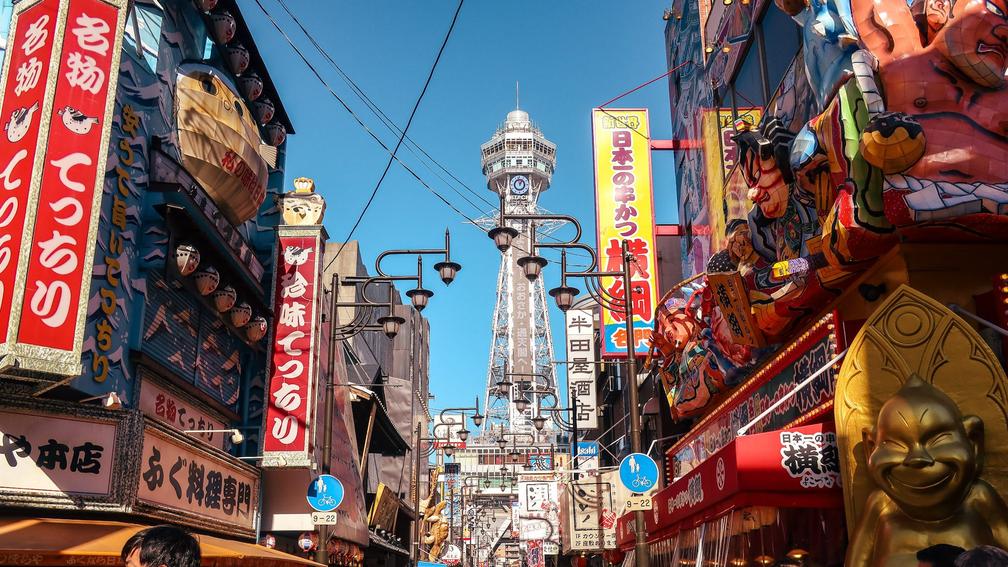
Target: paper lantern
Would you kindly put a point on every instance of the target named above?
(224, 298)
(251, 86)
(256, 329)
(237, 58)
(207, 280)
(240, 314)
(187, 258)
(223, 27)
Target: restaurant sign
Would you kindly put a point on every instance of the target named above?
(58, 91)
(581, 368)
(586, 503)
(179, 412)
(771, 383)
(56, 455)
(293, 376)
(625, 213)
(200, 483)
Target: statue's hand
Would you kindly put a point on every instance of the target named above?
(892, 142)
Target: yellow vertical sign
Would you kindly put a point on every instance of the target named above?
(624, 206)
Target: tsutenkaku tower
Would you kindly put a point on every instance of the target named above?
(518, 162)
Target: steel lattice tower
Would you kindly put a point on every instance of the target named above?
(518, 163)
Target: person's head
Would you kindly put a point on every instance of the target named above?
(983, 556)
(161, 546)
(941, 555)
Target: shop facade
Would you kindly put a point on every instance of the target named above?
(161, 139)
(841, 264)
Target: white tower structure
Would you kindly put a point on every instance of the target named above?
(518, 163)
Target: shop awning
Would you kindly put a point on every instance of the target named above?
(88, 542)
(789, 468)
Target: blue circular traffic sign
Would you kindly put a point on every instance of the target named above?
(325, 493)
(638, 472)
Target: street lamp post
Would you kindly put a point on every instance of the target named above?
(532, 264)
(388, 324)
(448, 450)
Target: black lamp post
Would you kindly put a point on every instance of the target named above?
(532, 264)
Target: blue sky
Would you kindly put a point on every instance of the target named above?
(568, 57)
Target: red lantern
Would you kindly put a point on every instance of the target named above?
(579, 561)
(614, 556)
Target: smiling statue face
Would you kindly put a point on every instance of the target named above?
(976, 40)
(923, 453)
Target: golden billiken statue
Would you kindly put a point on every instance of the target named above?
(925, 459)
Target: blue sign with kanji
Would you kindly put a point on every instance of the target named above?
(325, 493)
(638, 472)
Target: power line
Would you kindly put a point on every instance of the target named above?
(392, 156)
(372, 134)
(357, 118)
(384, 118)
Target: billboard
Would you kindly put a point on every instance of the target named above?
(293, 374)
(56, 100)
(625, 212)
(581, 367)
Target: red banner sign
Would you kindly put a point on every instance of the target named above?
(58, 94)
(797, 467)
(291, 393)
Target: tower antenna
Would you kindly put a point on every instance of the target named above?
(517, 107)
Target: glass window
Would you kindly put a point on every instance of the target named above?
(748, 84)
(781, 40)
(146, 18)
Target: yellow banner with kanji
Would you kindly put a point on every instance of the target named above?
(624, 206)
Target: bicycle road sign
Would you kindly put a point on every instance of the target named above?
(325, 493)
(638, 472)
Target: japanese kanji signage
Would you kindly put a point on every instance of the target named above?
(52, 455)
(769, 383)
(800, 465)
(180, 413)
(585, 502)
(623, 202)
(176, 477)
(291, 392)
(58, 90)
(538, 510)
(581, 368)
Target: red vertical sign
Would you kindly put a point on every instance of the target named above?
(72, 171)
(291, 391)
(29, 54)
(58, 94)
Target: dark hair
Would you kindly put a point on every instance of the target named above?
(940, 555)
(983, 556)
(771, 140)
(164, 545)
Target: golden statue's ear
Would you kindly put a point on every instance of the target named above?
(975, 432)
(868, 440)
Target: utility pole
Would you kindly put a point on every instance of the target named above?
(418, 523)
(640, 547)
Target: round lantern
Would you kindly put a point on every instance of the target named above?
(268, 540)
(206, 5)
(251, 86)
(223, 27)
(307, 541)
(276, 133)
(187, 258)
(264, 110)
(256, 329)
(240, 314)
(237, 58)
(207, 280)
(224, 298)
(579, 561)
